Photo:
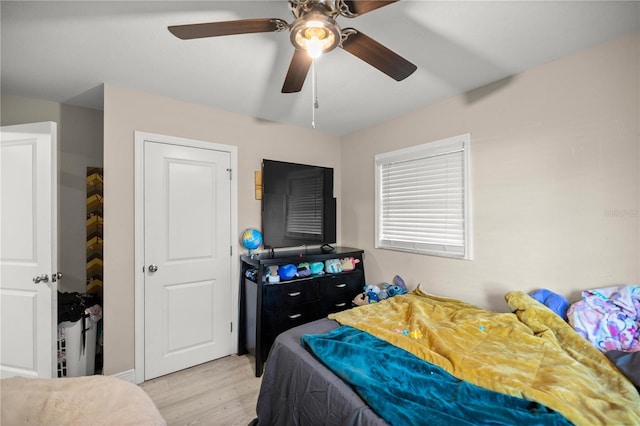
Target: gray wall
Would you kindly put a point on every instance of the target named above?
(555, 178)
(127, 111)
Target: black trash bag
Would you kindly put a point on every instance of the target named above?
(71, 307)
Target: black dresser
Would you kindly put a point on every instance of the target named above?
(267, 309)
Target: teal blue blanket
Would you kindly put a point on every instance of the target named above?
(405, 390)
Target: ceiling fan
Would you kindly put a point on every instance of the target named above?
(313, 32)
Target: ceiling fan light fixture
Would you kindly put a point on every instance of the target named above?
(315, 33)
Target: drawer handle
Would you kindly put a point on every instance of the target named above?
(340, 305)
(294, 316)
(297, 293)
(341, 285)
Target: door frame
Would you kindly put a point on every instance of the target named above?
(139, 297)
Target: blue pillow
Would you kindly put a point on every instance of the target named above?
(553, 301)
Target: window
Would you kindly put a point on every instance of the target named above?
(423, 200)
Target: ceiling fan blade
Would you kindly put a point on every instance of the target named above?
(360, 7)
(298, 70)
(216, 29)
(376, 55)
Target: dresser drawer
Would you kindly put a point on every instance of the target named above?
(294, 315)
(341, 286)
(339, 290)
(299, 292)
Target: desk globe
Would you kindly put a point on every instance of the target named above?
(251, 239)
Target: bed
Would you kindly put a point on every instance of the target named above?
(422, 359)
(90, 400)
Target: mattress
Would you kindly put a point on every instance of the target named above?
(298, 390)
(531, 357)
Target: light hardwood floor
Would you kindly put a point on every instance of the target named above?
(221, 392)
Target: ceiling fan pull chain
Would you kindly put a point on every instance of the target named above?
(314, 93)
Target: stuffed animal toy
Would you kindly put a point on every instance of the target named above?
(286, 272)
(372, 292)
(317, 268)
(332, 266)
(394, 290)
(251, 274)
(349, 263)
(361, 299)
(273, 274)
(383, 294)
(397, 280)
(304, 270)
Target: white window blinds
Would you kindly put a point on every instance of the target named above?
(422, 199)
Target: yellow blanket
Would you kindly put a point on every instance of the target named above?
(531, 354)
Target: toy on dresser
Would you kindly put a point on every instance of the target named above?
(332, 266)
(272, 275)
(278, 273)
(349, 263)
(304, 270)
(287, 272)
(317, 268)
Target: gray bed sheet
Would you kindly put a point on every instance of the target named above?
(297, 389)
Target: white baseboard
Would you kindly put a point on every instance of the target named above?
(129, 376)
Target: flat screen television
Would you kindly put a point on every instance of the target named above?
(298, 207)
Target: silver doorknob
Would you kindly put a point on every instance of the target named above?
(56, 276)
(153, 268)
(42, 278)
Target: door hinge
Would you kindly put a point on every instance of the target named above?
(229, 170)
(230, 250)
(231, 324)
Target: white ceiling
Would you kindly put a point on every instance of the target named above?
(64, 51)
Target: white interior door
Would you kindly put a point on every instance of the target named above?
(187, 243)
(28, 208)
